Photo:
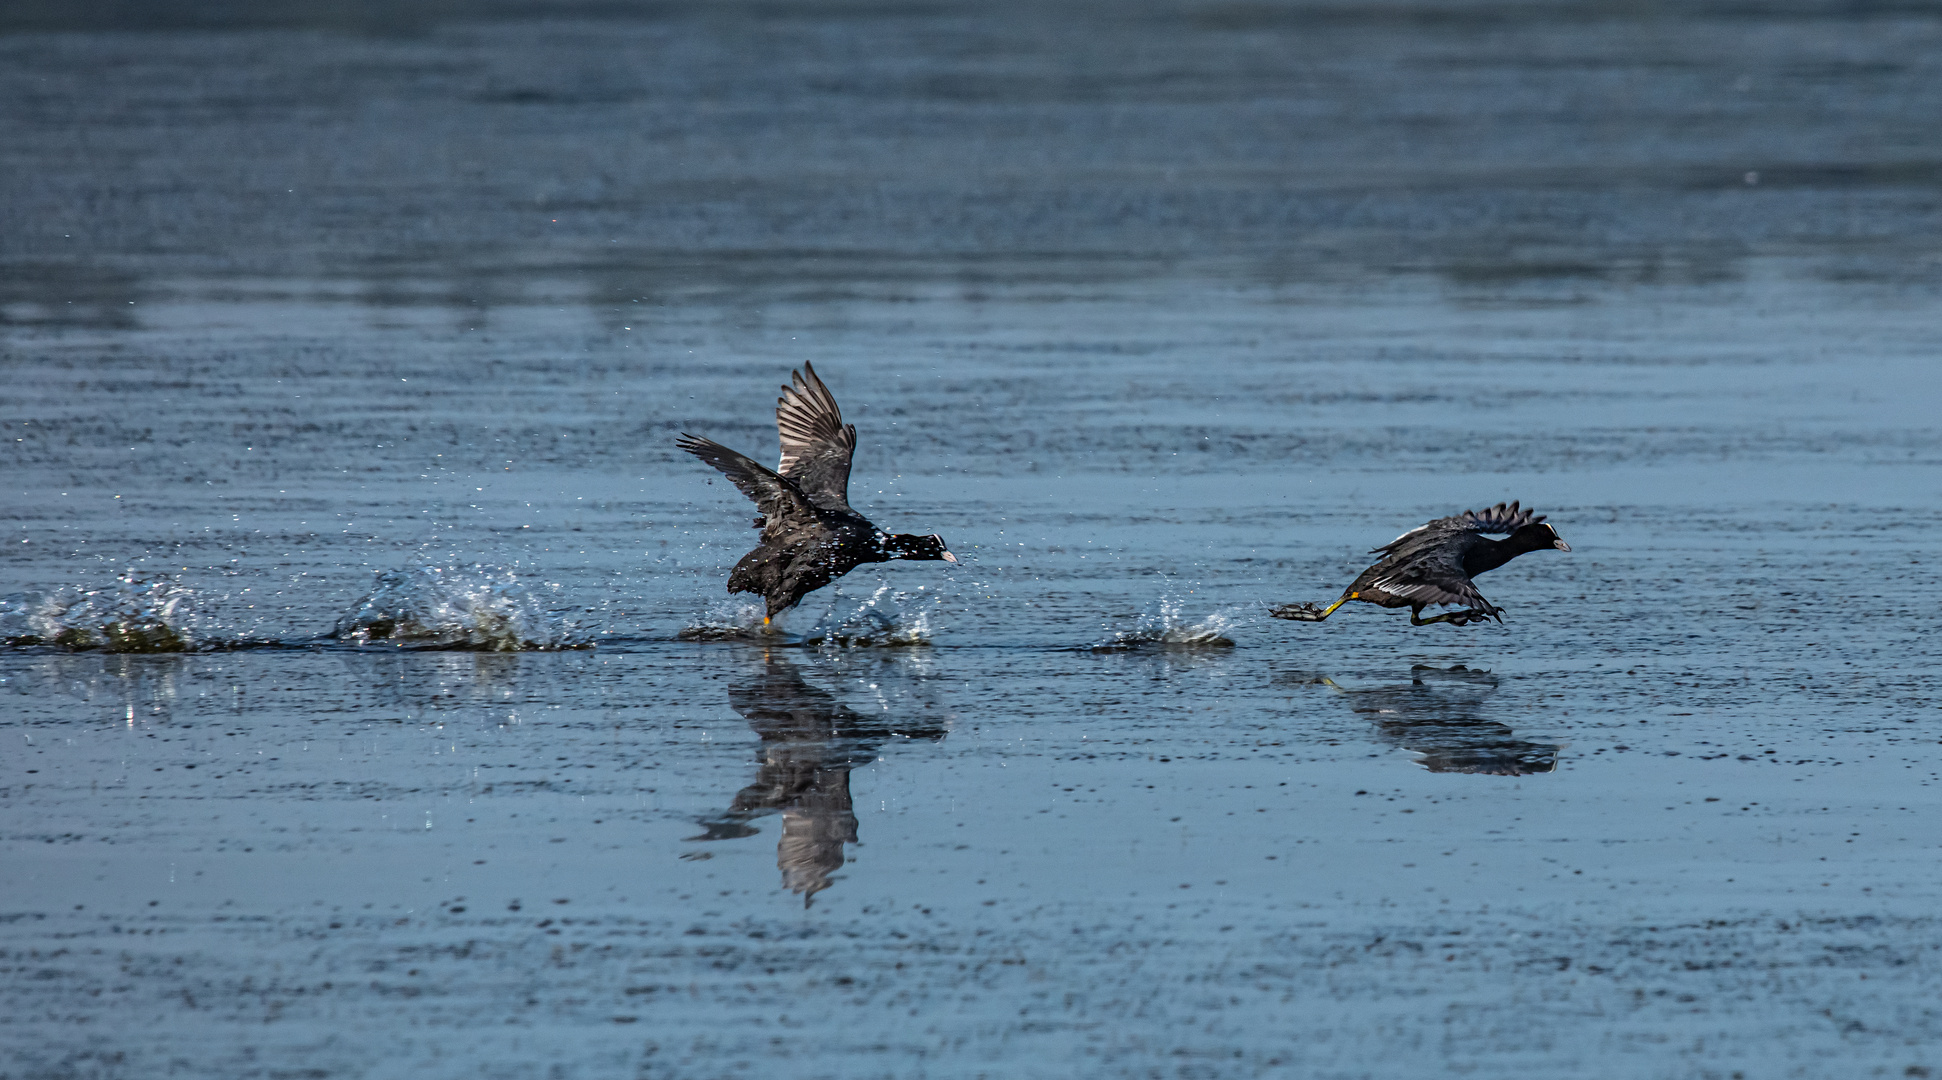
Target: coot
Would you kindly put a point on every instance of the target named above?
(1433, 564)
(810, 536)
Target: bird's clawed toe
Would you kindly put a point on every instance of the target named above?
(1470, 615)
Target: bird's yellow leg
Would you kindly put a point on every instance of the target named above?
(1330, 609)
(765, 620)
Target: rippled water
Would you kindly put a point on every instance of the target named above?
(376, 708)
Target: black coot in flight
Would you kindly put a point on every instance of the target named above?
(1433, 564)
(810, 536)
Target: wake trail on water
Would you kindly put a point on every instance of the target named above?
(483, 607)
(478, 608)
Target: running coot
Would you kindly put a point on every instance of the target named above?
(810, 536)
(1433, 564)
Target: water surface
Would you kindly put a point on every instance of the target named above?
(1150, 363)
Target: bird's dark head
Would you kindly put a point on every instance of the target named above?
(1537, 536)
(906, 546)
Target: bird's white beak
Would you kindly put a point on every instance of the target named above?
(1561, 545)
(948, 557)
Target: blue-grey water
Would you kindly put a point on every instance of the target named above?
(322, 328)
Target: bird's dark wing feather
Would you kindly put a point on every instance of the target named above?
(816, 443)
(1502, 519)
(1432, 575)
(778, 498)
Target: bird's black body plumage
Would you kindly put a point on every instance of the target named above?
(1434, 564)
(810, 535)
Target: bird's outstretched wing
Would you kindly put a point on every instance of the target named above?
(816, 443)
(777, 497)
(1433, 576)
(1502, 519)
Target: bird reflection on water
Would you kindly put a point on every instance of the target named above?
(810, 742)
(1435, 716)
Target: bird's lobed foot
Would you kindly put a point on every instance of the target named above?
(1298, 612)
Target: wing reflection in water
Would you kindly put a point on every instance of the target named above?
(810, 742)
(1438, 717)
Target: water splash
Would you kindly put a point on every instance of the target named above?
(888, 619)
(478, 607)
(1165, 625)
(135, 614)
(727, 620)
